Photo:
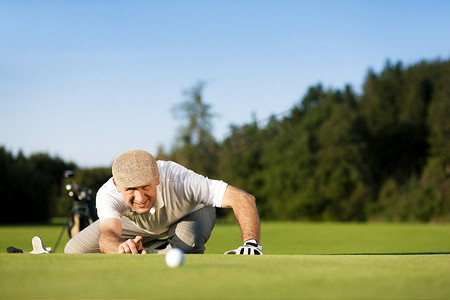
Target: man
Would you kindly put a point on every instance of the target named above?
(151, 206)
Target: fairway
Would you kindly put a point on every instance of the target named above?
(301, 261)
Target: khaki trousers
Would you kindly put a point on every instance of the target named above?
(189, 234)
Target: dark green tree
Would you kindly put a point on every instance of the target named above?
(30, 186)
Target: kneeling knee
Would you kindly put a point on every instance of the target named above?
(187, 247)
(68, 249)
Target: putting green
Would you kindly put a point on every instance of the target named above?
(216, 276)
(301, 261)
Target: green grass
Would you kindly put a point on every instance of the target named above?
(301, 261)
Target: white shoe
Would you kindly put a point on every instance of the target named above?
(38, 246)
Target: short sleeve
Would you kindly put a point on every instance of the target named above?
(218, 188)
(109, 202)
(194, 187)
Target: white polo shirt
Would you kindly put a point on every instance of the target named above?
(180, 192)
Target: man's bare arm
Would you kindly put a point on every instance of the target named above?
(110, 240)
(110, 235)
(244, 207)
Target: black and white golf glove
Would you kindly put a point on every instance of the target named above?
(250, 247)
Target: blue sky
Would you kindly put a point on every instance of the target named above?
(88, 80)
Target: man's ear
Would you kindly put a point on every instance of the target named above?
(117, 186)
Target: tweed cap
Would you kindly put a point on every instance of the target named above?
(135, 168)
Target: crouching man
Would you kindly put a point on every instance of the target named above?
(151, 206)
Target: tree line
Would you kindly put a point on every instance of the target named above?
(33, 188)
(336, 155)
(29, 185)
(383, 155)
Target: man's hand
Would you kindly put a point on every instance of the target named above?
(133, 246)
(250, 247)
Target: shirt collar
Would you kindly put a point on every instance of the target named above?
(159, 203)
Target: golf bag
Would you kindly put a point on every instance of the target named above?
(83, 211)
(80, 215)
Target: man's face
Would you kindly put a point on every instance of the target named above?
(140, 199)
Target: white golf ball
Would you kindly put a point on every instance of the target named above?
(174, 258)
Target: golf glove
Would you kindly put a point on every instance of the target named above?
(250, 247)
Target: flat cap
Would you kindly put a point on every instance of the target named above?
(135, 168)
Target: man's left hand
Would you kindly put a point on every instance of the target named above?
(250, 247)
